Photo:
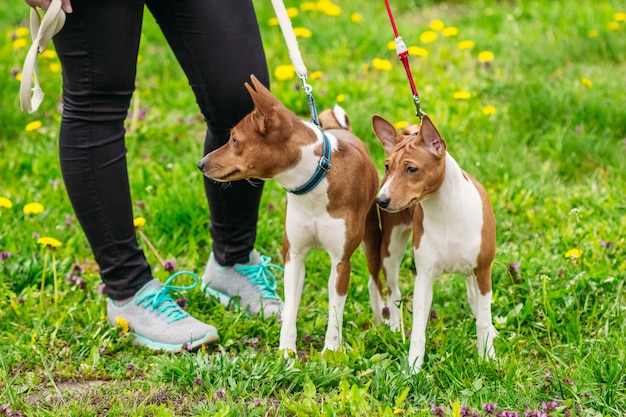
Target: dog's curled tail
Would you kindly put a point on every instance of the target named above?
(337, 118)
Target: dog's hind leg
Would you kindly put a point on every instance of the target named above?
(371, 245)
(396, 229)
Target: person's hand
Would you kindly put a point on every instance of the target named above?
(44, 4)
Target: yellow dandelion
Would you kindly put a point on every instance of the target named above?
(341, 98)
(450, 31)
(285, 72)
(316, 75)
(381, 64)
(391, 45)
(48, 54)
(302, 32)
(573, 253)
(466, 44)
(462, 95)
(620, 17)
(122, 324)
(18, 76)
(33, 208)
(139, 222)
(54, 67)
(356, 18)
(308, 6)
(49, 242)
(586, 82)
(428, 36)
(489, 110)
(19, 43)
(398, 410)
(437, 24)
(402, 124)
(139, 58)
(273, 21)
(292, 12)
(485, 56)
(456, 409)
(33, 339)
(5, 203)
(613, 26)
(328, 7)
(366, 67)
(417, 51)
(33, 126)
(592, 33)
(21, 32)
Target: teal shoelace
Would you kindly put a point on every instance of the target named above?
(162, 302)
(260, 275)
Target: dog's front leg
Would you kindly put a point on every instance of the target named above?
(481, 308)
(422, 301)
(337, 293)
(294, 280)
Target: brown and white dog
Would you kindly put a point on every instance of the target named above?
(454, 228)
(335, 215)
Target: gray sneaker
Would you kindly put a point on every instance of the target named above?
(158, 322)
(251, 286)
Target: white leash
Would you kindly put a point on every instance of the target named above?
(290, 37)
(42, 32)
(294, 54)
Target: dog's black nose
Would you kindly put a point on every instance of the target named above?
(383, 201)
(201, 164)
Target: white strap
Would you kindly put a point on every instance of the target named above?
(42, 32)
(290, 37)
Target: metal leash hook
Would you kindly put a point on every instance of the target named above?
(309, 96)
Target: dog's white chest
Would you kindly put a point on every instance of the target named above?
(308, 224)
(453, 222)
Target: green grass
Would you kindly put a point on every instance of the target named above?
(552, 158)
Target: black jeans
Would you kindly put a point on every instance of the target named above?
(218, 45)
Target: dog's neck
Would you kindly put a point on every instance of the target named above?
(309, 161)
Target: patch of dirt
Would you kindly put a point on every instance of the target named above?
(99, 396)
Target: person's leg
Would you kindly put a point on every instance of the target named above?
(98, 49)
(218, 45)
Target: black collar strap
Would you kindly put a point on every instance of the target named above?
(322, 168)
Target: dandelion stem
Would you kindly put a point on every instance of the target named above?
(43, 281)
(54, 275)
(402, 321)
(145, 238)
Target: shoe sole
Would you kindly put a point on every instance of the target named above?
(229, 302)
(168, 347)
(224, 299)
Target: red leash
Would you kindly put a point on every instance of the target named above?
(403, 54)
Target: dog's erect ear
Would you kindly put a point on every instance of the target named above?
(431, 138)
(266, 105)
(385, 132)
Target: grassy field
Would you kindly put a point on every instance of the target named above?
(530, 98)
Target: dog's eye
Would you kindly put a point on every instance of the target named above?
(411, 170)
(386, 167)
(233, 141)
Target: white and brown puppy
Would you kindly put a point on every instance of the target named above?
(454, 227)
(335, 213)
